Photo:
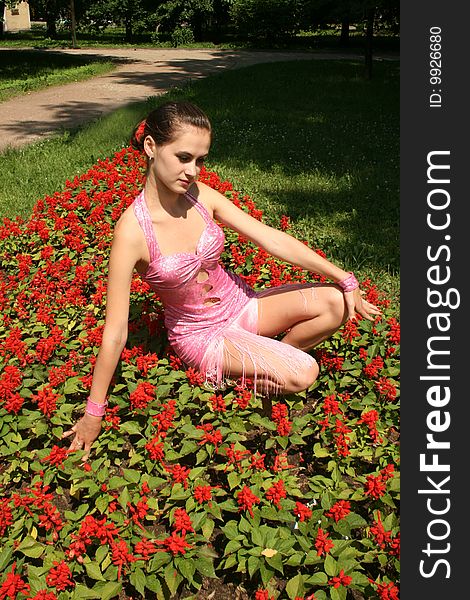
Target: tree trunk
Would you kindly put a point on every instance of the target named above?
(369, 38)
(73, 24)
(344, 38)
(128, 26)
(51, 29)
(2, 11)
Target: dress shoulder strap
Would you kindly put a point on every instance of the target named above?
(145, 221)
(199, 207)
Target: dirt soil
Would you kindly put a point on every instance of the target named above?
(141, 72)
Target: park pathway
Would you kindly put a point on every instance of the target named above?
(141, 72)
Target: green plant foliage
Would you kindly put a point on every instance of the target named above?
(186, 486)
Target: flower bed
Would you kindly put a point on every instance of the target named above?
(188, 492)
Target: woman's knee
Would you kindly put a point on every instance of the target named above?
(301, 378)
(336, 305)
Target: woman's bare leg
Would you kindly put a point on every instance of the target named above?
(309, 315)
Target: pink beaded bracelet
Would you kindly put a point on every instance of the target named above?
(95, 409)
(349, 284)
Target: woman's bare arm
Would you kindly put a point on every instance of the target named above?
(283, 246)
(125, 253)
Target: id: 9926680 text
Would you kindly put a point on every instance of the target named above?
(435, 67)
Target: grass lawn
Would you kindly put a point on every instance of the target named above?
(310, 139)
(23, 71)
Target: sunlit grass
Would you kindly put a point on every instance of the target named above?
(23, 71)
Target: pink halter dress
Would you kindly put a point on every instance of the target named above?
(201, 315)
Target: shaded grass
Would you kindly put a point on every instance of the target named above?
(23, 71)
(310, 139)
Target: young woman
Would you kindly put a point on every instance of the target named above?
(215, 322)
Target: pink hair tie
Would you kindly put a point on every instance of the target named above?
(95, 409)
(349, 284)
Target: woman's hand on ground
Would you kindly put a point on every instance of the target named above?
(86, 430)
(355, 303)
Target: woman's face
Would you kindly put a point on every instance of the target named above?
(177, 164)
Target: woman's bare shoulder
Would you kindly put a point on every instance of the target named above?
(206, 195)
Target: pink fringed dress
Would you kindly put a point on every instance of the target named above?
(201, 315)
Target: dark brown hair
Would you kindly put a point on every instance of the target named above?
(163, 123)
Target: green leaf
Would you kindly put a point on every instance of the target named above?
(131, 475)
(108, 590)
(233, 479)
(208, 528)
(266, 574)
(254, 563)
(331, 566)
(5, 557)
(319, 578)
(81, 591)
(339, 593)
(124, 498)
(205, 566)
(72, 386)
(232, 546)
(231, 530)
(275, 562)
(93, 571)
(295, 586)
(186, 567)
(138, 580)
(30, 547)
(258, 538)
(131, 427)
(319, 451)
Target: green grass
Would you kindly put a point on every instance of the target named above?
(23, 71)
(310, 139)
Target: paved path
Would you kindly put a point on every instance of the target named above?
(140, 73)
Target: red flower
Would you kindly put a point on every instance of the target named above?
(195, 377)
(145, 548)
(350, 331)
(155, 449)
(46, 400)
(276, 493)
(44, 595)
(322, 543)
(246, 499)
(174, 543)
(340, 579)
(386, 387)
(60, 576)
(202, 493)
(302, 511)
(218, 403)
(180, 474)
(285, 223)
(386, 591)
(120, 555)
(370, 418)
(372, 369)
(284, 427)
(182, 522)
(263, 595)
(6, 517)
(375, 486)
(243, 399)
(211, 436)
(13, 585)
(339, 510)
(331, 406)
(56, 456)
(164, 420)
(142, 395)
